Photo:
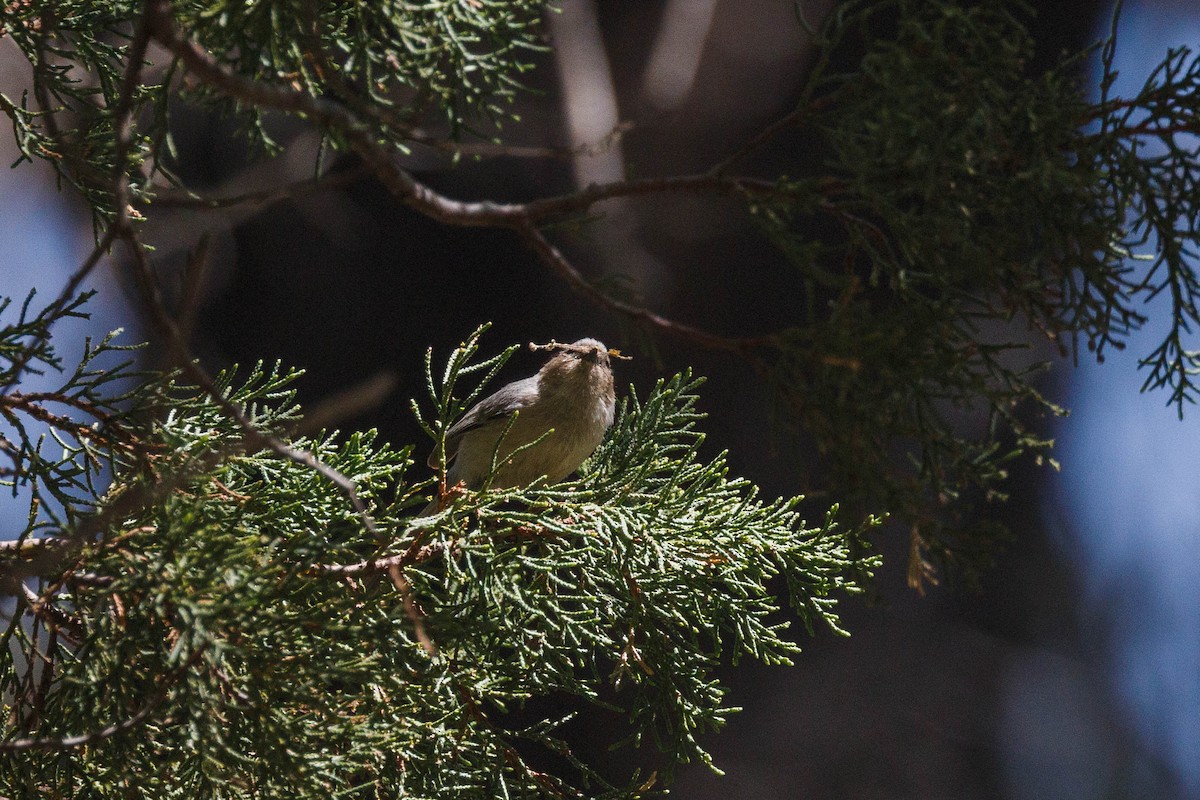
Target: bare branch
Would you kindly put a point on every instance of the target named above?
(517, 216)
(375, 566)
(495, 150)
(266, 197)
(793, 119)
(560, 265)
(25, 546)
(411, 609)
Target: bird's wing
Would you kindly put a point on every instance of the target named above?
(513, 397)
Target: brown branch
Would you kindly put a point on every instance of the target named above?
(793, 119)
(411, 609)
(107, 732)
(393, 566)
(254, 438)
(517, 216)
(584, 199)
(497, 150)
(1147, 128)
(22, 546)
(377, 566)
(266, 197)
(561, 266)
(45, 610)
(31, 404)
(123, 119)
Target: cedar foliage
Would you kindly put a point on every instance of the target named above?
(205, 604)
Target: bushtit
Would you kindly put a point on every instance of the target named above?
(569, 403)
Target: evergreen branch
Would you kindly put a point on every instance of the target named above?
(123, 120)
(652, 558)
(123, 140)
(517, 216)
(254, 437)
(107, 732)
(68, 299)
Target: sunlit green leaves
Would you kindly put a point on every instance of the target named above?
(224, 614)
(394, 64)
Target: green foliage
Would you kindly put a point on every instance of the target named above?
(230, 636)
(1148, 151)
(60, 442)
(395, 62)
(970, 210)
(195, 616)
(967, 204)
(77, 51)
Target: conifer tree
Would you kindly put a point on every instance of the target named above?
(206, 603)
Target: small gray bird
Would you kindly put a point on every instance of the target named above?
(571, 396)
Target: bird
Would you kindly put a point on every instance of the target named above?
(570, 403)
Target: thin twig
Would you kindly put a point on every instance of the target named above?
(496, 150)
(255, 439)
(21, 362)
(377, 566)
(43, 559)
(266, 197)
(189, 296)
(411, 609)
(795, 118)
(517, 216)
(123, 119)
(107, 732)
(559, 263)
(46, 610)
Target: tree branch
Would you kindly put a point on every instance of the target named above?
(254, 438)
(564, 269)
(107, 732)
(793, 119)
(517, 216)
